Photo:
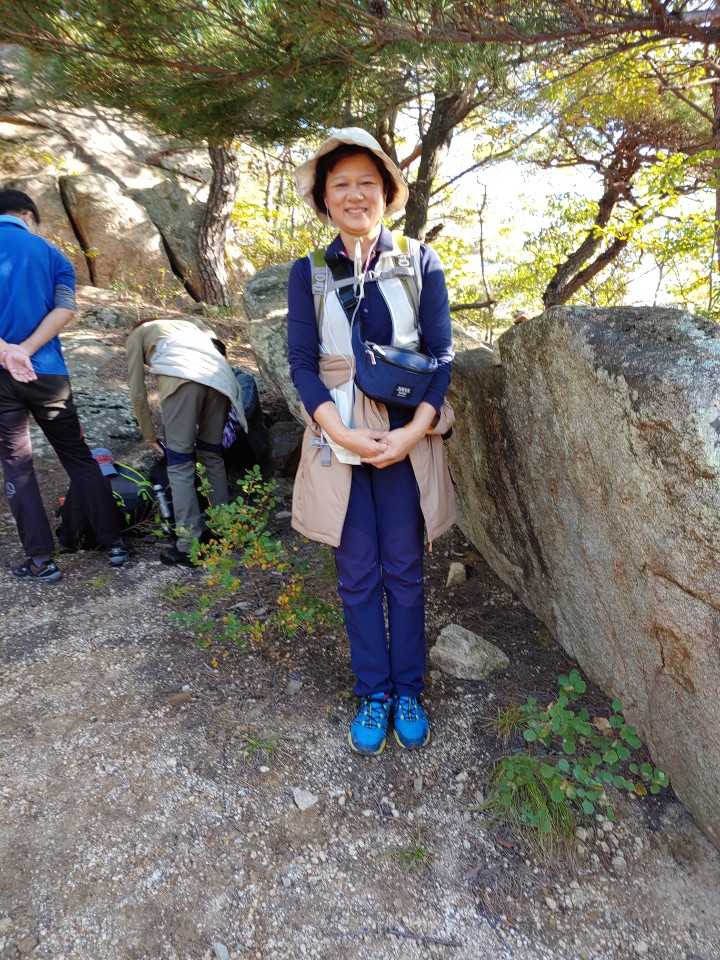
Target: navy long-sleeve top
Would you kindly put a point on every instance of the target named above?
(303, 337)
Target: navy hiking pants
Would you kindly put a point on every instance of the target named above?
(381, 555)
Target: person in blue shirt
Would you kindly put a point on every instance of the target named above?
(37, 299)
(373, 478)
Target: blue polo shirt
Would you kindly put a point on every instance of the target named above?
(34, 279)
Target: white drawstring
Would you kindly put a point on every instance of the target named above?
(360, 272)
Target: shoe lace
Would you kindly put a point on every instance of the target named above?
(409, 708)
(373, 713)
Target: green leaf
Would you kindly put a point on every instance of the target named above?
(588, 807)
(617, 706)
(563, 765)
(557, 795)
(529, 735)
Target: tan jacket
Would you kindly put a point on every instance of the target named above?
(178, 351)
(321, 493)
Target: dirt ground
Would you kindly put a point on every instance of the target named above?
(141, 818)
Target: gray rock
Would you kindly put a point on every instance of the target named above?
(588, 475)
(265, 304)
(102, 398)
(175, 205)
(456, 574)
(304, 799)
(221, 951)
(465, 655)
(27, 944)
(126, 247)
(284, 441)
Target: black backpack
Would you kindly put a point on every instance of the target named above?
(135, 501)
(241, 450)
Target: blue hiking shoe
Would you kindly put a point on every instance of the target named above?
(412, 729)
(369, 728)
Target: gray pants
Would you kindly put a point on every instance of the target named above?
(194, 417)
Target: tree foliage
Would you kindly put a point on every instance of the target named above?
(203, 69)
(619, 87)
(547, 23)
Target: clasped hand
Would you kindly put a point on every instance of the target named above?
(393, 447)
(18, 364)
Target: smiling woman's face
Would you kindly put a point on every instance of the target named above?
(355, 196)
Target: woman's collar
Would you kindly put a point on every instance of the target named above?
(385, 242)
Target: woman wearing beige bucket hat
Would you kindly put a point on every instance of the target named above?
(372, 476)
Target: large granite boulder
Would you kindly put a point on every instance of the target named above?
(588, 474)
(265, 304)
(176, 207)
(125, 248)
(54, 223)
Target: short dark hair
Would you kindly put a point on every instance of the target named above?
(15, 201)
(330, 160)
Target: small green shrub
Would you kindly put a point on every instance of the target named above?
(241, 552)
(570, 764)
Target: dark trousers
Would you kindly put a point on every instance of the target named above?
(49, 400)
(381, 554)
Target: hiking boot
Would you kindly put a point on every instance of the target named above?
(46, 573)
(176, 558)
(412, 729)
(117, 556)
(368, 729)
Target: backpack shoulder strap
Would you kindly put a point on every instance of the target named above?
(132, 474)
(318, 271)
(405, 259)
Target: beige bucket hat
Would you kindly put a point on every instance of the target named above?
(305, 173)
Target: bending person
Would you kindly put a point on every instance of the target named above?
(371, 476)
(197, 386)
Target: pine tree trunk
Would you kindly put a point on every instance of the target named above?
(715, 266)
(449, 110)
(214, 225)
